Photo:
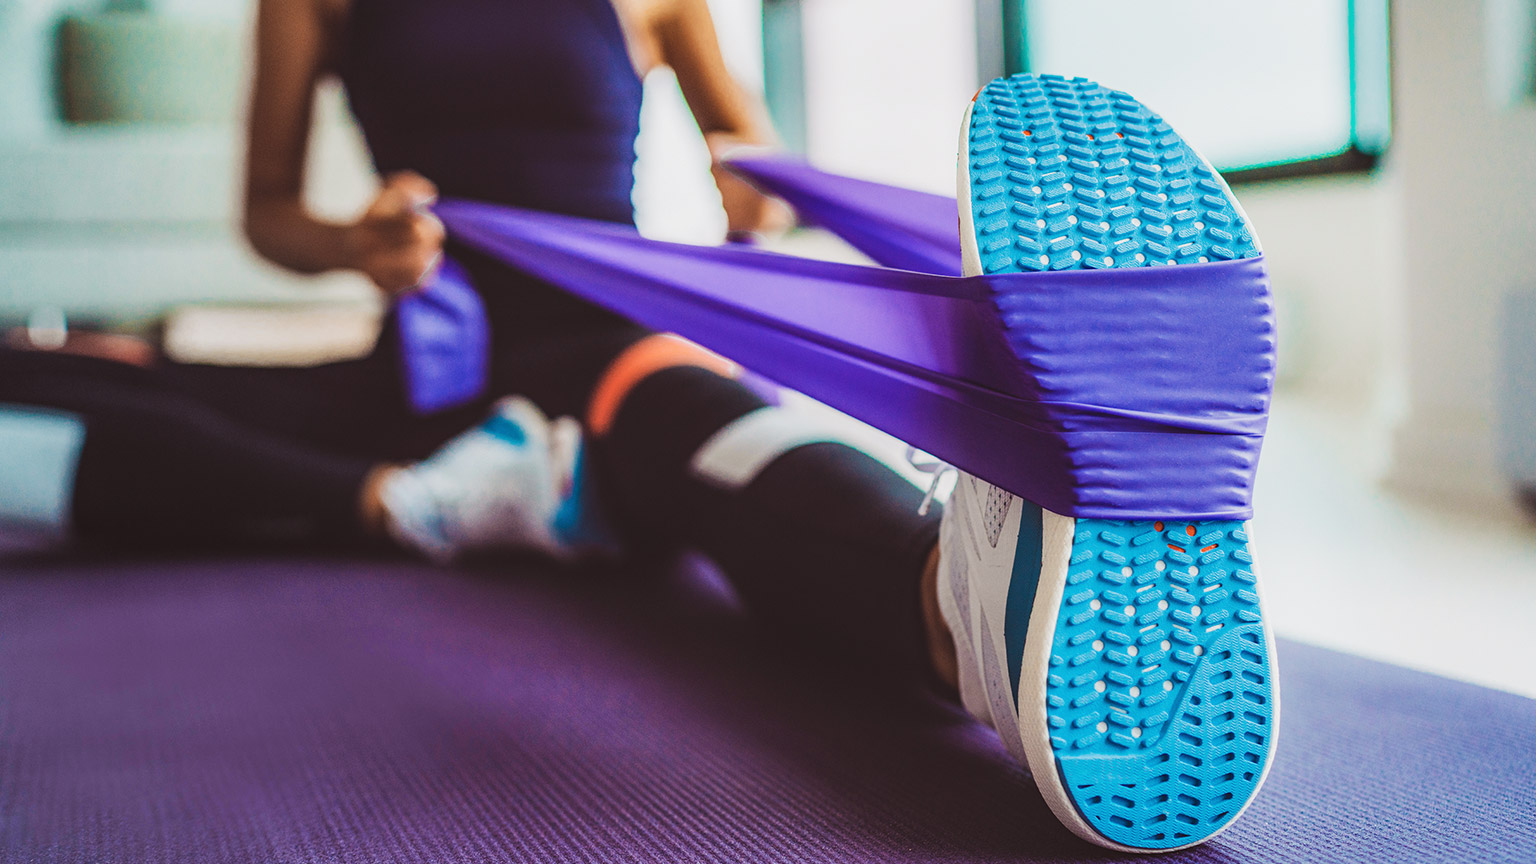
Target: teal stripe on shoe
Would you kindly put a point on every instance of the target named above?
(1021, 588)
(579, 523)
(505, 428)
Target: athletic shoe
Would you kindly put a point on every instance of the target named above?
(1126, 663)
(515, 482)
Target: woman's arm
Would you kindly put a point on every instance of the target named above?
(394, 243)
(726, 114)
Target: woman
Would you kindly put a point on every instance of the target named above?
(531, 103)
(536, 104)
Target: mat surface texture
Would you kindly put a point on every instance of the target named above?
(300, 709)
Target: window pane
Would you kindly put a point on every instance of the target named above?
(1250, 83)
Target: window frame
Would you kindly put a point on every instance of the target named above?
(1003, 49)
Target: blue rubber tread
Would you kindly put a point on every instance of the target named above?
(1067, 174)
(1159, 694)
(1186, 707)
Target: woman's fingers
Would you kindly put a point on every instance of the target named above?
(427, 230)
(413, 230)
(402, 203)
(405, 192)
(400, 239)
(425, 275)
(413, 184)
(406, 268)
(398, 262)
(749, 211)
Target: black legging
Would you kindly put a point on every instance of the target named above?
(825, 537)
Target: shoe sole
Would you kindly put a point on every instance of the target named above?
(1147, 700)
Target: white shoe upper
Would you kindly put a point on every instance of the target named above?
(984, 531)
(496, 486)
(978, 539)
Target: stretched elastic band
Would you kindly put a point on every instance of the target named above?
(896, 227)
(638, 362)
(445, 341)
(1133, 393)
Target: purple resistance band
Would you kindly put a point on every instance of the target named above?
(1127, 394)
(900, 228)
(442, 328)
(445, 341)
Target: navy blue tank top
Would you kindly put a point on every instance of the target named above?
(532, 103)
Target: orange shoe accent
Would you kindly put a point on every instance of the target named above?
(638, 362)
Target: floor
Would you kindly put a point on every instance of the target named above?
(1350, 565)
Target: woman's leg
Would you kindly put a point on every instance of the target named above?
(355, 406)
(153, 464)
(817, 535)
(813, 534)
(141, 460)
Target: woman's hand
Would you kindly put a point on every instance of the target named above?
(397, 242)
(728, 116)
(748, 212)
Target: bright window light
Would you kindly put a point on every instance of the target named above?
(1254, 85)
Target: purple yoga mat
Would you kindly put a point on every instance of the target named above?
(304, 710)
(1125, 394)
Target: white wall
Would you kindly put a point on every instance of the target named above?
(1390, 288)
(1467, 164)
(24, 86)
(1334, 248)
(887, 82)
(115, 223)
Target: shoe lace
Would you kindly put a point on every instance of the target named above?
(930, 465)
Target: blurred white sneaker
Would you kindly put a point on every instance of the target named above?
(496, 486)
